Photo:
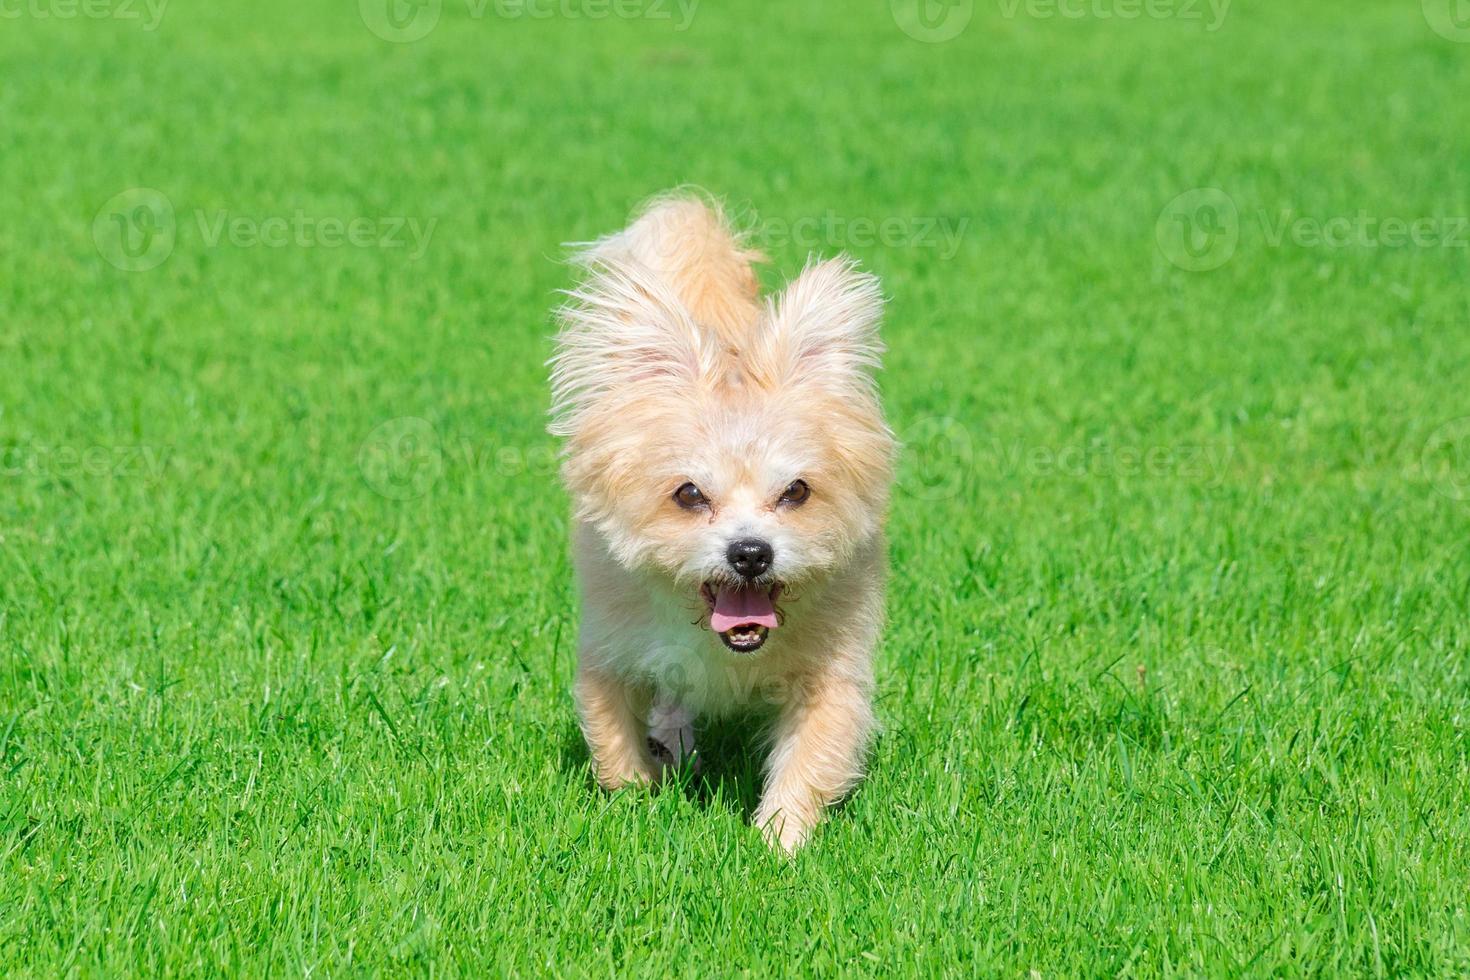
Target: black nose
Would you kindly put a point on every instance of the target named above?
(749, 556)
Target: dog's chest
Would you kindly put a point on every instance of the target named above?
(685, 663)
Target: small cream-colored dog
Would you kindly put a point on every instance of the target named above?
(730, 466)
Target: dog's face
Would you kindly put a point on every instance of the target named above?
(738, 476)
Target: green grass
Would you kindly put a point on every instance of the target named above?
(1175, 680)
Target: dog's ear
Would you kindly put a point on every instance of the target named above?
(823, 330)
(623, 334)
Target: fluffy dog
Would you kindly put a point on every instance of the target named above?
(729, 466)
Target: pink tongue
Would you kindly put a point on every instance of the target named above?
(742, 607)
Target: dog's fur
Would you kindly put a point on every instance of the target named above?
(671, 370)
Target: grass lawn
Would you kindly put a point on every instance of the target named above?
(1175, 679)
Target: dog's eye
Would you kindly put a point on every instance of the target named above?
(795, 494)
(690, 497)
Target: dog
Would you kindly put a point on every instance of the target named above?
(729, 467)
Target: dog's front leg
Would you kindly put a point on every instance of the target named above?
(613, 714)
(817, 754)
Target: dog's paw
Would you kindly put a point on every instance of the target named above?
(660, 753)
(783, 832)
(671, 736)
(629, 777)
(668, 758)
(633, 770)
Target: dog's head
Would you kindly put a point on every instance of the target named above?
(736, 472)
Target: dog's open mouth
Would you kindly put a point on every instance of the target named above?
(743, 615)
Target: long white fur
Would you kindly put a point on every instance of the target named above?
(824, 328)
(621, 326)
